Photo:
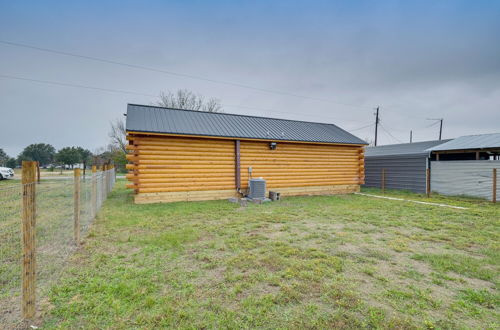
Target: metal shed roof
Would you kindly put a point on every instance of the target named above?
(402, 149)
(151, 119)
(483, 141)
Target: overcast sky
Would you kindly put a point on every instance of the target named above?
(414, 59)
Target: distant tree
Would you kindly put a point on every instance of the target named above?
(185, 99)
(3, 157)
(68, 156)
(40, 152)
(118, 135)
(85, 157)
(12, 162)
(119, 158)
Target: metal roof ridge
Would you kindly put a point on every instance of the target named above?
(234, 114)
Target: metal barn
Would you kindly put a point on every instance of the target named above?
(404, 165)
(184, 155)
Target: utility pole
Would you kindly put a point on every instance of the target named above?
(411, 136)
(376, 125)
(440, 126)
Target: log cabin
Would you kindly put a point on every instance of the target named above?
(187, 155)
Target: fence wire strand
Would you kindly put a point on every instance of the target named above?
(54, 229)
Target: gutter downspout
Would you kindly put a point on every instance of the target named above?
(237, 166)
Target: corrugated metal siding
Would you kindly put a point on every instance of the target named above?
(188, 122)
(469, 177)
(406, 172)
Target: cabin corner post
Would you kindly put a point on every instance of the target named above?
(133, 161)
(237, 165)
(361, 160)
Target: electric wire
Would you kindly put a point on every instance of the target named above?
(172, 73)
(389, 133)
(103, 89)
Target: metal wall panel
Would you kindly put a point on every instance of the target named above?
(468, 177)
(404, 172)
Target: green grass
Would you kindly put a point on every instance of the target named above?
(304, 262)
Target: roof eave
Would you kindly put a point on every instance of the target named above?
(240, 138)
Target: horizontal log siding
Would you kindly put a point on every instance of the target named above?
(176, 164)
(163, 168)
(302, 165)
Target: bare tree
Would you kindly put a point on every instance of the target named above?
(118, 135)
(185, 99)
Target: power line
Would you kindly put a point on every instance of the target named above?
(103, 89)
(359, 128)
(385, 130)
(440, 121)
(184, 75)
(286, 112)
(57, 83)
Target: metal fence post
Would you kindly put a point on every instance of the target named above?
(428, 181)
(76, 203)
(94, 192)
(494, 197)
(383, 181)
(28, 238)
(106, 178)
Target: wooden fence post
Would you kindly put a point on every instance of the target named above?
(383, 181)
(105, 181)
(428, 181)
(494, 199)
(38, 172)
(76, 203)
(28, 238)
(94, 191)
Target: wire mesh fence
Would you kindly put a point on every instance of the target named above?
(10, 249)
(64, 209)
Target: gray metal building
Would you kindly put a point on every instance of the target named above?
(405, 165)
(465, 165)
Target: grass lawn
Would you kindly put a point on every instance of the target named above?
(305, 262)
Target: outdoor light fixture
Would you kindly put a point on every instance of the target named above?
(273, 145)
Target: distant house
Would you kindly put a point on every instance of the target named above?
(181, 155)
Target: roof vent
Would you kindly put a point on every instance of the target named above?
(257, 188)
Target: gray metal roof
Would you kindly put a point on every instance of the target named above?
(482, 141)
(402, 149)
(151, 119)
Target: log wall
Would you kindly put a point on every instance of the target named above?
(172, 168)
(301, 165)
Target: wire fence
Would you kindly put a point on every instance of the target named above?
(41, 225)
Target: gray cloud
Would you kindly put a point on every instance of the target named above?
(415, 61)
